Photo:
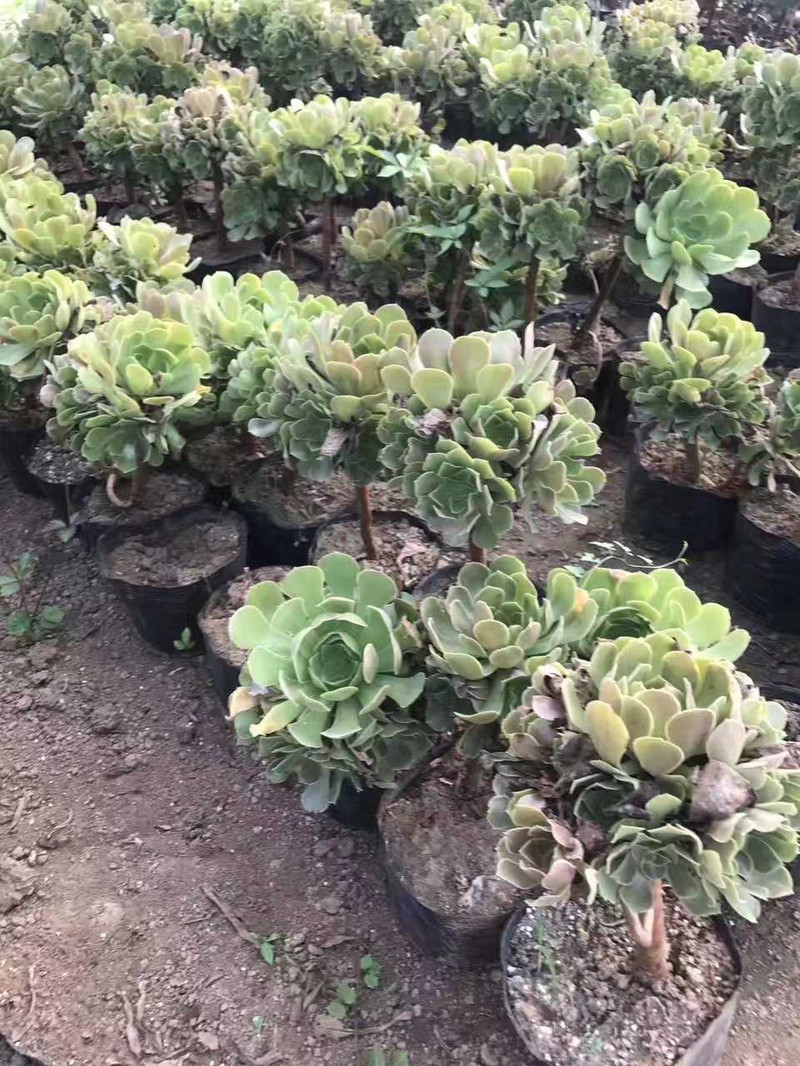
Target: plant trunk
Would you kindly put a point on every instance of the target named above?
(135, 495)
(649, 934)
(328, 240)
(219, 214)
(74, 157)
(180, 210)
(692, 452)
(288, 254)
(531, 288)
(476, 554)
(130, 188)
(456, 296)
(365, 516)
(609, 281)
(796, 283)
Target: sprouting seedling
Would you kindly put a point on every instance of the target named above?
(258, 1025)
(343, 1002)
(30, 620)
(185, 641)
(370, 971)
(267, 947)
(379, 1057)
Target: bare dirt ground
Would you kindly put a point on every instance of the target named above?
(122, 953)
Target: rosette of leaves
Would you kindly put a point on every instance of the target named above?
(394, 141)
(17, 157)
(705, 381)
(445, 199)
(140, 56)
(702, 71)
(353, 56)
(39, 313)
(643, 54)
(535, 211)
(14, 71)
(255, 203)
(486, 428)
(393, 19)
(50, 102)
(380, 249)
(489, 634)
(122, 393)
(670, 767)
(704, 226)
(506, 66)
(771, 125)
(773, 450)
(44, 33)
(432, 63)
(331, 688)
(241, 86)
(45, 226)
(322, 148)
(328, 391)
(139, 250)
(218, 22)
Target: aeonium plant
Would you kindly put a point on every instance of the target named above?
(641, 769)
(331, 689)
(493, 630)
(772, 450)
(704, 382)
(480, 427)
(122, 394)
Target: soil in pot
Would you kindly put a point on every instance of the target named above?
(165, 494)
(582, 354)
(764, 560)
(166, 574)
(781, 250)
(575, 1002)
(63, 476)
(439, 851)
(406, 551)
(283, 521)
(664, 505)
(220, 455)
(225, 660)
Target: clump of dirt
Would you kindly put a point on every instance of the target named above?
(405, 551)
(720, 470)
(164, 494)
(294, 503)
(214, 617)
(58, 466)
(775, 512)
(755, 276)
(575, 1000)
(167, 558)
(440, 845)
(580, 351)
(781, 241)
(220, 455)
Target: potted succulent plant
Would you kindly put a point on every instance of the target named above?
(695, 393)
(654, 780)
(380, 250)
(479, 427)
(138, 251)
(331, 690)
(765, 553)
(51, 104)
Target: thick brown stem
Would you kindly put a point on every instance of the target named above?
(531, 288)
(180, 210)
(457, 290)
(130, 188)
(288, 254)
(288, 480)
(365, 517)
(219, 214)
(609, 281)
(135, 493)
(74, 157)
(692, 452)
(476, 554)
(328, 240)
(649, 933)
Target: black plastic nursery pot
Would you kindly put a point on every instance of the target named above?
(438, 581)
(780, 325)
(356, 808)
(731, 295)
(672, 513)
(66, 481)
(17, 441)
(225, 661)
(763, 568)
(460, 937)
(706, 1050)
(162, 612)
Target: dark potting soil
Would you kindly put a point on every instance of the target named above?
(405, 552)
(782, 241)
(571, 987)
(582, 353)
(163, 494)
(775, 512)
(24, 417)
(305, 504)
(755, 276)
(188, 556)
(720, 471)
(215, 618)
(221, 454)
(439, 842)
(781, 294)
(57, 465)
